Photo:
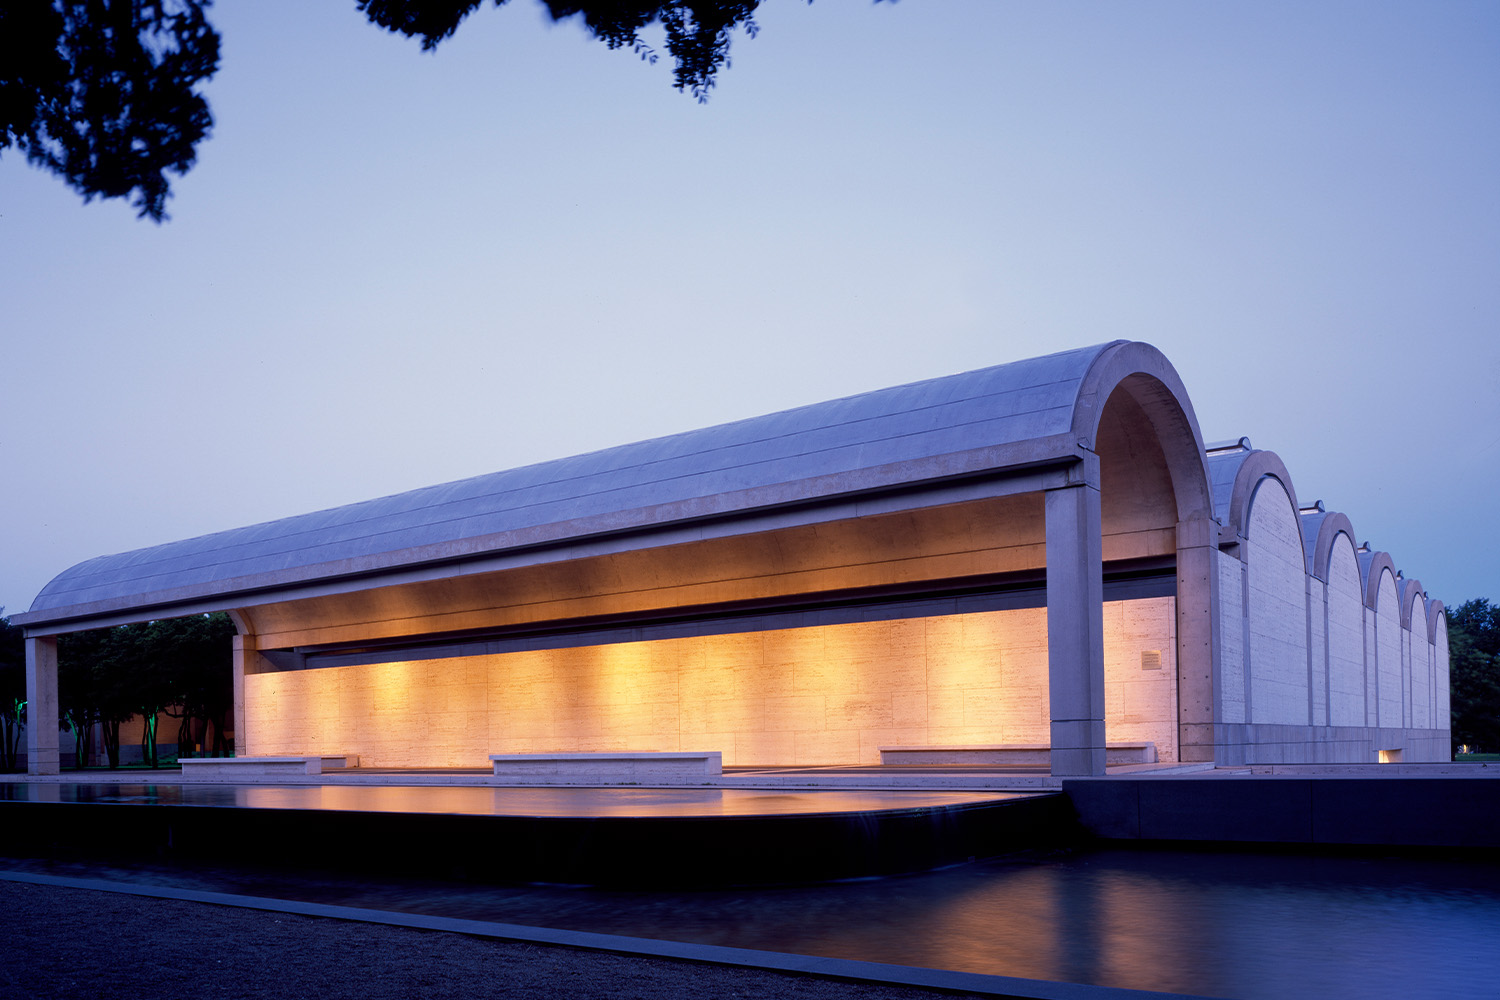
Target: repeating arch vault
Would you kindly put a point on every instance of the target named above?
(1043, 551)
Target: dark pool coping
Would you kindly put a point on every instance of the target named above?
(1432, 811)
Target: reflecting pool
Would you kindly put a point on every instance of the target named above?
(1212, 923)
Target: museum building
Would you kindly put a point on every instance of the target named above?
(1042, 554)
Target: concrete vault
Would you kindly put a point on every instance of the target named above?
(1043, 552)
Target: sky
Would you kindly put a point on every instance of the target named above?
(392, 268)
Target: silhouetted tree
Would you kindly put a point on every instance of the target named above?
(697, 31)
(197, 656)
(102, 92)
(12, 692)
(177, 666)
(1474, 674)
(79, 699)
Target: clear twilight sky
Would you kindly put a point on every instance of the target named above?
(392, 268)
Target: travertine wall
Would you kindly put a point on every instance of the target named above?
(830, 694)
(1234, 624)
(1442, 708)
(1277, 608)
(1140, 673)
(1419, 670)
(1317, 653)
(1307, 672)
(1346, 641)
(1387, 617)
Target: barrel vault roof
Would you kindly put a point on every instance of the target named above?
(950, 426)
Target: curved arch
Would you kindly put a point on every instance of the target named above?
(243, 624)
(1437, 616)
(1257, 466)
(1131, 400)
(1332, 524)
(1371, 565)
(1411, 591)
(1145, 373)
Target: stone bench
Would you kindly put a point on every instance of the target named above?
(1010, 753)
(247, 767)
(609, 768)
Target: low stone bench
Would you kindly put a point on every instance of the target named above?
(1010, 753)
(609, 768)
(247, 767)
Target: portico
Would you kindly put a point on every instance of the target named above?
(1026, 554)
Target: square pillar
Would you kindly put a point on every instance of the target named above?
(246, 660)
(1197, 638)
(41, 705)
(1075, 629)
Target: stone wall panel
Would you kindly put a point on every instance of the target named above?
(828, 694)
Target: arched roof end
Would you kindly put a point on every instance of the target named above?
(1257, 466)
(1437, 620)
(1412, 596)
(1372, 565)
(1149, 377)
(1329, 526)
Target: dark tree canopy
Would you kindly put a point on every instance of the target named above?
(182, 666)
(697, 30)
(12, 690)
(1474, 670)
(103, 92)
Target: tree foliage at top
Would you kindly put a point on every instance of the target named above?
(697, 30)
(101, 92)
(1474, 674)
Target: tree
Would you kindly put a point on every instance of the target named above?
(103, 93)
(83, 696)
(12, 692)
(1474, 673)
(697, 30)
(196, 655)
(95, 684)
(181, 667)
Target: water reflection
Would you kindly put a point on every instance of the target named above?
(1220, 924)
(482, 800)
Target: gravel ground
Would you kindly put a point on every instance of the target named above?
(67, 943)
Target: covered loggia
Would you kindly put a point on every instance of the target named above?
(1021, 554)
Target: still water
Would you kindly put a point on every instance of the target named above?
(1218, 924)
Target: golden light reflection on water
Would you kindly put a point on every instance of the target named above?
(1241, 925)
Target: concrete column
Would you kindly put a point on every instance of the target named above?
(246, 659)
(1075, 629)
(1197, 637)
(41, 705)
